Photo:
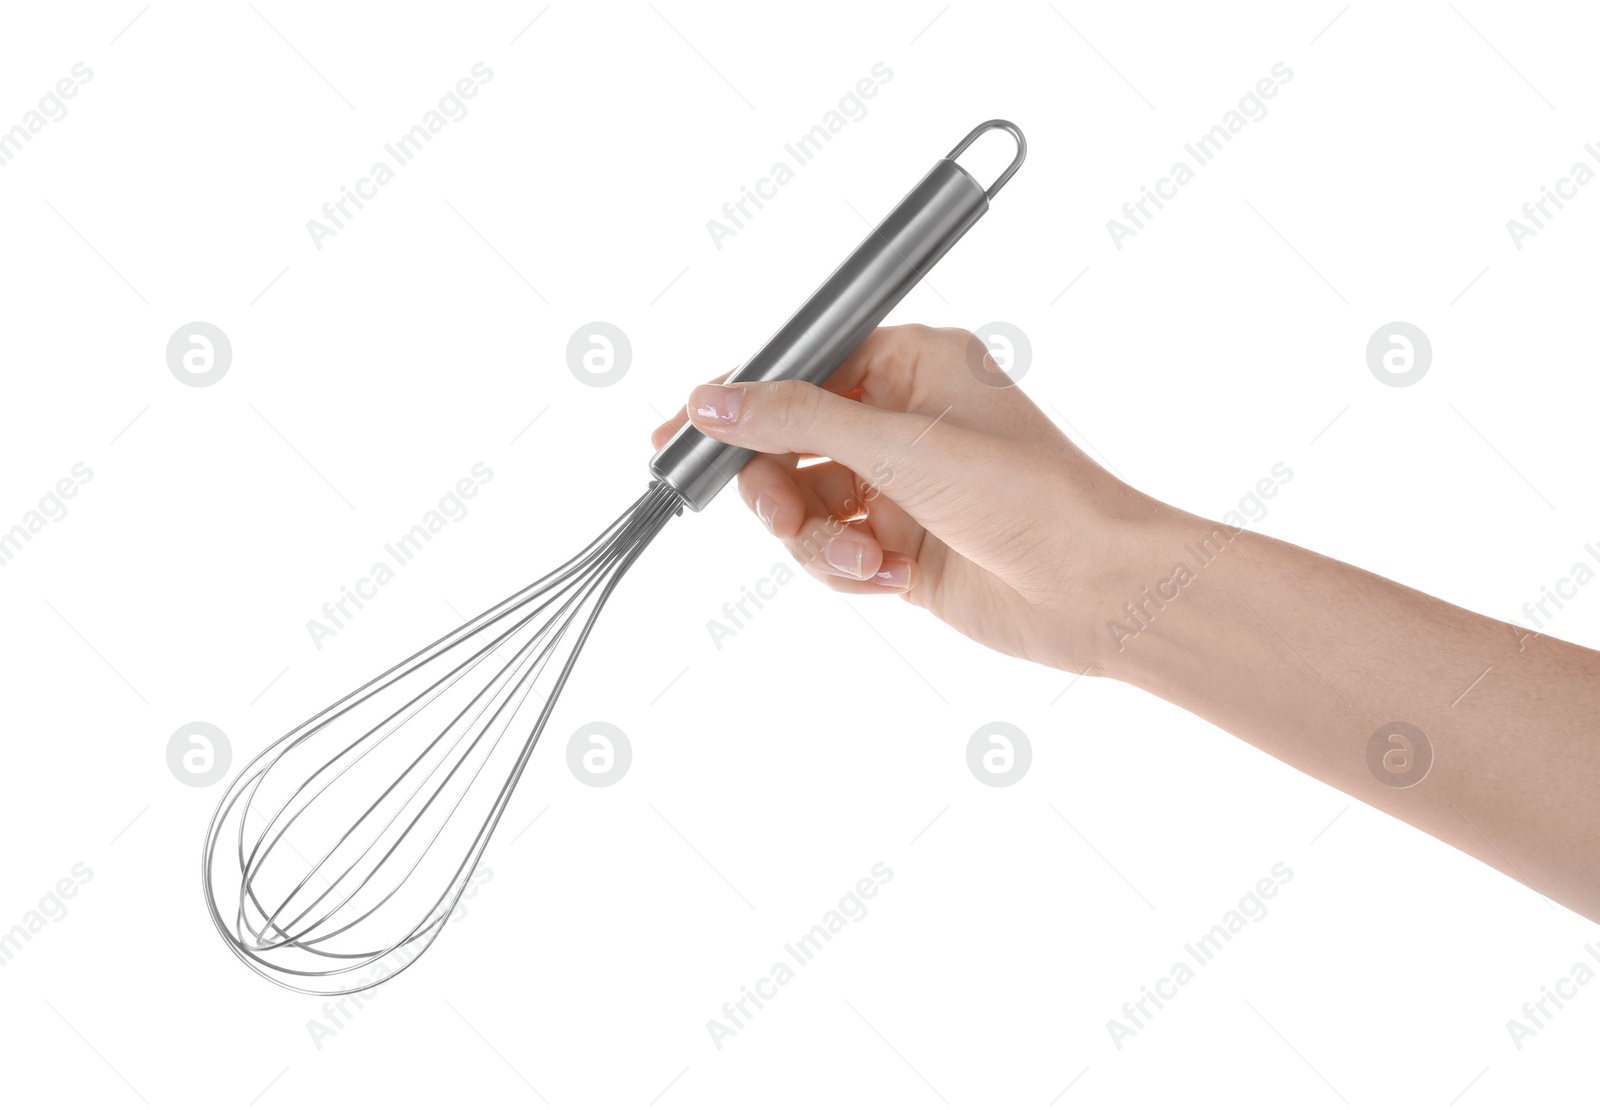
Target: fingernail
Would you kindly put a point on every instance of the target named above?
(897, 572)
(766, 511)
(716, 403)
(846, 554)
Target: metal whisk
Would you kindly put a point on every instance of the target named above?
(339, 854)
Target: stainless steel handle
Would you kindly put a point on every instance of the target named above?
(843, 311)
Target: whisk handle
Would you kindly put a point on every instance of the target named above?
(846, 308)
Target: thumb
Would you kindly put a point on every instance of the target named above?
(776, 418)
(920, 461)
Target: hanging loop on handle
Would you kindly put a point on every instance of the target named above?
(1016, 163)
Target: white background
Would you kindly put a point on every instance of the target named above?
(370, 375)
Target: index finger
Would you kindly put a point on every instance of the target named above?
(669, 428)
(882, 372)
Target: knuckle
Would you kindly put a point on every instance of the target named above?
(805, 547)
(959, 339)
(795, 405)
(911, 334)
(748, 487)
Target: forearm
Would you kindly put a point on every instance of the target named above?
(1308, 658)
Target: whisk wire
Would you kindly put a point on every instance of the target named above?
(486, 697)
(283, 922)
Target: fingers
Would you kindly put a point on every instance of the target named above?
(780, 418)
(888, 353)
(943, 372)
(850, 558)
(896, 575)
(768, 487)
(971, 489)
(806, 509)
(914, 412)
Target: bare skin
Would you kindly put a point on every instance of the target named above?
(978, 509)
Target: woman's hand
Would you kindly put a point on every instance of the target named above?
(976, 506)
(978, 509)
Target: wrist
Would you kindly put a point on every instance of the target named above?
(1157, 560)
